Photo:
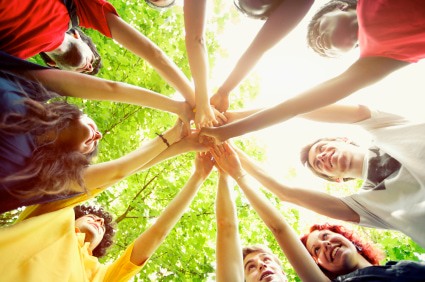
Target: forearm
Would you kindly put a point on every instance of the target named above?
(194, 19)
(283, 19)
(229, 251)
(143, 47)
(147, 243)
(78, 85)
(288, 240)
(116, 170)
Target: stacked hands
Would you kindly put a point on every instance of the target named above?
(208, 120)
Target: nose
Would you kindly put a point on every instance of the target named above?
(88, 68)
(262, 265)
(97, 136)
(100, 220)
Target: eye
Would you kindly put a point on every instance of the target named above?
(316, 251)
(318, 164)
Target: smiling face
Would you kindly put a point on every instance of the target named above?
(335, 158)
(259, 266)
(333, 252)
(337, 32)
(82, 135)
(93, 227)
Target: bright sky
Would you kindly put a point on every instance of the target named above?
(290, 67)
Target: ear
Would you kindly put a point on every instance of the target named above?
(343, 6)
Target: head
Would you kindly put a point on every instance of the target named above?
(333, 159)
(98, 226)
(257, 9)
(80, 135)
(338, 250)
(160, 4)
(77, 53)
(260, 262)
(66, 141)
(333, 29)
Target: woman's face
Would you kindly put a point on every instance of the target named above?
(333, 252)
(93, 227)
(337, 32)
(82, 135)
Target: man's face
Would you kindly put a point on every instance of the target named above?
(332, 158)
(79, 57)
(263, 267)
(337, 32)
(93, 227)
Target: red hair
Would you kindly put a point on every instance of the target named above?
(370, 252)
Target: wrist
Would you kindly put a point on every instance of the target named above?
(163, 139)
(239, 176)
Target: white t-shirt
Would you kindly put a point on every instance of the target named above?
(393, 193)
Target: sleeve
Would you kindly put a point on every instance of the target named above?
(367, 218)
(11, 63)
(40, 209)
(122, 269)
(380, 120)
(92, 14)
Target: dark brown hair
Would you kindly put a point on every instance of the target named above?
(53, 167)
(109, 223)
(70, 57)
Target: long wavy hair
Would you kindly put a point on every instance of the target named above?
(110, 227)
(369, 251)
(53, 167)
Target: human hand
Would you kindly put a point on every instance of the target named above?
(227, 159)
(211, 135)
(220, 117)
(191, 143)
(220, 101)
(204, 117)
(204, 164)
(186, 114)
(175, 133)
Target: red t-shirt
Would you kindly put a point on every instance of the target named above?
(28, 27)
(392, 28)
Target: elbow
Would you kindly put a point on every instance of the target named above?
(227, 224)
(195, 40)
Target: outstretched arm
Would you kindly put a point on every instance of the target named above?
(79, 85)
(286, 237)
(147, 243)
(194, 22)
(361, 74)
(116, 170)
(283, 19)
(228, 247)
(143, 47)
(311, 199)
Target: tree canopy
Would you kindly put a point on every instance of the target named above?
(188, 253)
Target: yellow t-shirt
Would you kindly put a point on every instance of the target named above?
(47, 248)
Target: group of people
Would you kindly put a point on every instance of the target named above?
(46, 144)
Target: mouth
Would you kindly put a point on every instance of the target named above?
(334, 251)
(330, 156)
(266, 274)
